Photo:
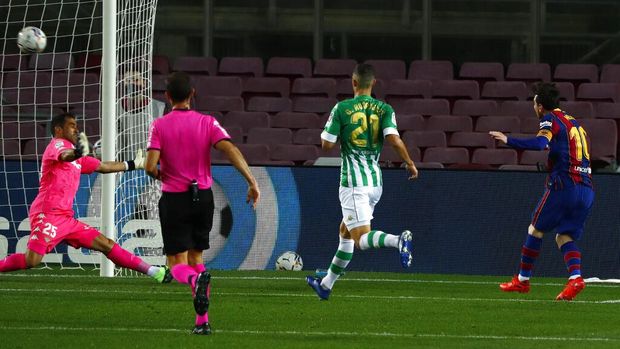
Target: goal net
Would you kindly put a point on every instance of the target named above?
(67, 76)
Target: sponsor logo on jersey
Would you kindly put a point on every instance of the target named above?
(59, 144)
(582, 169)
(34, 237)
(545, 124)
(41, 215)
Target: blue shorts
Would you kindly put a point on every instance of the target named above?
(564, 211)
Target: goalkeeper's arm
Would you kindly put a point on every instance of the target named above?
(118, 166)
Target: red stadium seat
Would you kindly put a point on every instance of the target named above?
(294, 152)
(10, 149)
(578, 110)
(482, 71)
(400, 90)
(449, 123)
(196, 65)
(447, 156)
(530, 125)
(528, 72)
(505, 90)
(314, 87)
(310, 136)
(50, 61)
(334, 68)
(576, 73)
(603, 136)
(314, 104)
(217, 85)
(607, 110)
(270, 136)
(246, 120)
(241, 66)
(425, 139)
(522, 109)
(235, 133)
(270, 104)
(295, 120)
(267, 87)
(160, 65)
(456, 89)
(475, 108)
(289, 67)
(219, 103)
(424, 107)
(388, 69)
(410, 122)
(431, 70)
(390, 158)
(471, 140)
(534, 157)
(494, 157)
(511, 124)
(610, 73)
(603, 92)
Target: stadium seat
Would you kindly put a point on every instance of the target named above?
(241, 66)
(270, 104)
(267, 87)
(530, 168)
(431, 70)
(446, 156)
(89, 62)
(482, 71)
(455, 89)
(50, 61)
(310, 136)
(254, 154)
(610, 73)
(471, 140)
(313, 87)
(528, 72)
(603, 136)
(246, 120)
(530, 125)
(92, 127)
(159, 83)
(314, 104)
(522, 109)
(334, 68)
(344, 90)
(294, 152)
(160, 65)
(534, 157)
(390, 158)
(424, 107)
(566, 89)
(425, 139)
(219, 103)
(34, 148)
(388, 69)
(399, 90)
(289, 67)
(270, 136)
(576, 73)
(578, 109)
(12, 62)
(217, 85)
(235, 133)
(475, 107)
(607, 110)
(410, 122)
(449, 123)
(511, 124)
(295, 120)
(504, 90)
(10, 130)
(429, 165)
(599, 92)
(196, 65)
(10, 149)
(494, 157)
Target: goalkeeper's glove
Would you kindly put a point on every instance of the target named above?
(82, 148)
(136, 163)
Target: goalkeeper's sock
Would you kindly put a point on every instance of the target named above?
(123, 258)
(572, 258)
(184, 274)
(339, 262)
(529, 253)
(13, 262)
(378, 239)
(202, 319)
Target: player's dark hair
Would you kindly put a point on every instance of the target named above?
(59, 121)
(365, 74)
(547, 95)
(178, 86)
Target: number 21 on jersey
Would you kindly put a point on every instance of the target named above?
(356, 135)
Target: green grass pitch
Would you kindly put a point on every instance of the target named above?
(68, 309)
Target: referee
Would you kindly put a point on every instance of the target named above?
(181, 142)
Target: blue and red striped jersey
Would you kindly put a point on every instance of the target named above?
(569, 157)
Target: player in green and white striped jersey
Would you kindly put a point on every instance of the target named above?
(362, 124)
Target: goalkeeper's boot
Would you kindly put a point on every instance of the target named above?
(315, 283)
(572, 289)
(163, 276)
(201, 299)
(515, 285)
(405, 246)
(204, 329)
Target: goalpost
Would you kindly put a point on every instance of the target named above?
(97, 65)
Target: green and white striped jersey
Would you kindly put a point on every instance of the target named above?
(361, 124)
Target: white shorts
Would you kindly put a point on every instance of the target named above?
(358, 204)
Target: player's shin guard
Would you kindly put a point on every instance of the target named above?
(529, 253)
(13, 262)
(339, 262)
(123, 258)
(572, 258)
(377, 239)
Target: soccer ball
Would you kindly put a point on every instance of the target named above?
(289, 260)
(31, 39)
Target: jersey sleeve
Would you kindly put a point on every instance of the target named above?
(56, 147)
(218, 133)
(332, 126)
(388, 122)
(89, 164)
(545, 128)
(153, 140)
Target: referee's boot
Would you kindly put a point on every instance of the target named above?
(201, 299)
(515, 285)
(204, 329)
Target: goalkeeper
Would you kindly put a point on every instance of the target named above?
(51, 215)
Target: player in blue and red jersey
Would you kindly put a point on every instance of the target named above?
(568, 196)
